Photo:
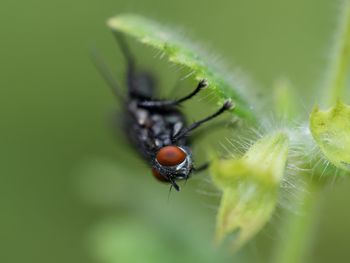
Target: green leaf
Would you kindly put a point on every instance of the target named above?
(250, 187)
(184, 53)
(331, 131)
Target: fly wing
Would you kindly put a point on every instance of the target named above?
(107, 74)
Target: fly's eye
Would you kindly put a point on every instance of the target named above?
(158, 176)
(170, 156)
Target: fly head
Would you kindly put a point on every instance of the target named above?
(172, 163)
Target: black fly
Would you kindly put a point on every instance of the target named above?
(157, 128)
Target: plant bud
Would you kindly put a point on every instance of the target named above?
(331, 131)
(250, 187)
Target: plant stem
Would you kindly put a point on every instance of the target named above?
(340, 65)
(298, 228)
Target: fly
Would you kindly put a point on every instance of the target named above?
(157, 128)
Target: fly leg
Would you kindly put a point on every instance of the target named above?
(213, 127)
(198, 169)
(107, 73)
(201, 168)
(126, 53)
(186, 131)
(131, 72)
(168, 103)
(174, 184)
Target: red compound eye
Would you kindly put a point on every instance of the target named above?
(170, 156)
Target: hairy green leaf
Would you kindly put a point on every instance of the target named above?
(184, 53)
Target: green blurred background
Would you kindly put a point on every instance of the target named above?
(72, 191)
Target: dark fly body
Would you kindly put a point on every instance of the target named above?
(157, 128)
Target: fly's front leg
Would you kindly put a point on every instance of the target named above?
(167, 103)
(201, 85)
(186, 131)
(202, 167)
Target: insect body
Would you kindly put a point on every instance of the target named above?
(157, 128)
